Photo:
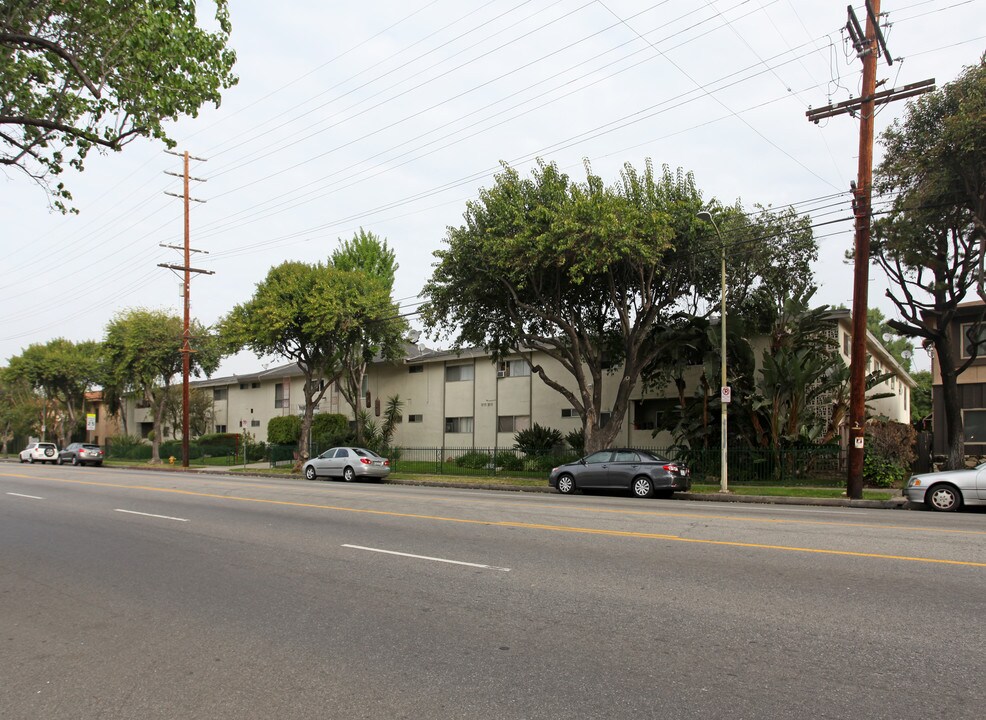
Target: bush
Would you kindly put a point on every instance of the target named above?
(506, 460)
(330, 429)
(537, 440)
(473, 460)
(889, 453)
(284, 430)
(230, 440)
(576, 440)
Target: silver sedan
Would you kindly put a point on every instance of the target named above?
(348, 463)
(948, 490)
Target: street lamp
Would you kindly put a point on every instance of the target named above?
(724, 396)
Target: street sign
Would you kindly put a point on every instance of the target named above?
(859, 443)
(725, 395)
(90, 421)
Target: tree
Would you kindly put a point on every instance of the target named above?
(578, 271)
(308, 314)
(200, 412)
(84, 74)
(20, 408)
(379, 330)
(63, 371)
(900, 347)
(921, 404)
(143, 353)
(930, 245)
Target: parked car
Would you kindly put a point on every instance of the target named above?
(81, 454)
(640, 471)
(348, 463)
(40, 452)
(948, 490)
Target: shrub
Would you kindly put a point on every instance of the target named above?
(879, 471)
(537, 440)
(229, 440)
(329, 429)
(889, 453)
(506, 460)
(576, 440)
(284, 430)
(475, 460)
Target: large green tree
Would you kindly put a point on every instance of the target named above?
(63, 371)
(82, 74)
(20, 409)
(143, 351)
(379, 331)
(577, 270)
(308, 314)
(930, 245)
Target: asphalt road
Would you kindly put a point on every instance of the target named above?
(159, 595)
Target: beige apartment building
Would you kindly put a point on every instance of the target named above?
(465, 400)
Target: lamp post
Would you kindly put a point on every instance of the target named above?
(724, 396)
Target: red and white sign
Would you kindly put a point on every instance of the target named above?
(725, 395)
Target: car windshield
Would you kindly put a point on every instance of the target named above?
(651, 457)
(91, 447)
(363, 452)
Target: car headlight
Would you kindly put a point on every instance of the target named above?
(914, 482)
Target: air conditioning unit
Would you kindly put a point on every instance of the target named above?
(501, 373)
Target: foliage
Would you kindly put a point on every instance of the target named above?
(921, 396)
(392, 417)
(284, 430)
(84, 74)
(143, 354)
(378, 330)
(578, 271)
(576, 440)
(897, 345)
(507, 460)
(21, 410)
(63, 371)
(476, 460)
(537, 440)
(200, 411)
(329, 429)
(311, 314)
(930, 243)
(230, 440)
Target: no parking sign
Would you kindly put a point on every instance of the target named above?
(725, 395)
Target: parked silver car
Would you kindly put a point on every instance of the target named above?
(348, 463)
(40, 452)
(81, 454)
(949, 490)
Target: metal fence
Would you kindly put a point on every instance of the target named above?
(821, 465)
(221, 455)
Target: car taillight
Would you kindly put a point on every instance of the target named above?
(671, 468)
(366, 461)
(386, 462)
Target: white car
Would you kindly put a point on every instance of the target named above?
(40, 452)
(949, 490)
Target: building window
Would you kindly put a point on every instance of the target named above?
(458, 424)
(569, 413)
(220, 428)
(969, 338)
(974, 423)
(458, 373)
(243, 386)
(513, 368)
(513, 423)
(255, 385)
(847, 344)
(603, 418)
(219, 394)
(281, 399)
(415, 418)
(414, 369)
(254, 423)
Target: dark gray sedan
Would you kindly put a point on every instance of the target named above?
(948, 490)
(640, 471)
(349, 463)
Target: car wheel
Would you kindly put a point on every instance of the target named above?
(31, 459)
(61, 460)
(566, 484)
(98, 464)
(642, 487)
(348, 475)
(75, 459)
(310, 473)
(23, 460)
(944, 498)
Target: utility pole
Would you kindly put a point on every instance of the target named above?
(186, 346)
(869, 46)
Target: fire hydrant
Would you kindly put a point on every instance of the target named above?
(171, 459)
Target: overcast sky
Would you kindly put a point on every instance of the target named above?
(391, 115)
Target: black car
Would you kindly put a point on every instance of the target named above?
(640, 471)
(81, 454)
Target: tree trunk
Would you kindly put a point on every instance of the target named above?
(954, 432)
(304, 442)
(158, 414)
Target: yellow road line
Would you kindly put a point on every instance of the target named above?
(511, 524)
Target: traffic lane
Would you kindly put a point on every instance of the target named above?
(862, 532)
(527, 634)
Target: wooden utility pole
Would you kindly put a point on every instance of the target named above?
(186, 345)
(869, 46)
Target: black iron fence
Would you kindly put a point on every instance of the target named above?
(812, 465)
